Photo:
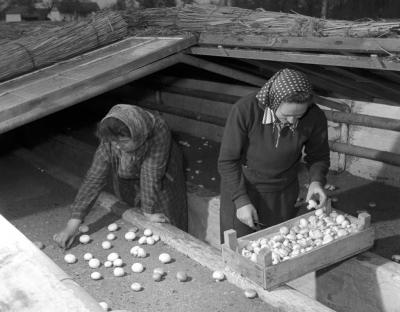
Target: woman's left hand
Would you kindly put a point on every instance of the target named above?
(156, 217)
(316, 189)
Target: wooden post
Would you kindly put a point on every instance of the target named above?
(324, 9)
(264, 258)
(364, 220)
(230, 239)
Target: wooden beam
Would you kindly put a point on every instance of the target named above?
(222, 70)
(322, 44)
(364, 120)
(329, 85)
(364, 152)
(374, 62)
(183, 113)
(197, 93)
(235, 90)
(391, 76)
(254, 80)
(44, 105)
(43, 96)
(340, 81)
(385, 90)
(31, 281)
(98, 54)
(342, 116)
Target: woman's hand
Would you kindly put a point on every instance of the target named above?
(156, 217)
(316, 190)
(65, 238)
(247, 214)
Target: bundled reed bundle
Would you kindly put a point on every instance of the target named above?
(206, 18)
(42, 49)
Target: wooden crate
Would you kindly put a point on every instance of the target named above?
(271, 276)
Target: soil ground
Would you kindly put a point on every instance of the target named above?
(38, 206)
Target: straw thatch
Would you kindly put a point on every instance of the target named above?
(53, 45)
(206, 18)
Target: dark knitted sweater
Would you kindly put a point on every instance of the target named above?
(248, 153)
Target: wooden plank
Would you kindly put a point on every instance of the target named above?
(193, 127)
(243, 266)
(340, 81)
(305, 58)
(230, 240)
(31, 281)
(222, 70)
(43, 106)
(325, 44)
(238, 90)
(385, 90)
(206, 85)
(364, 152)
(85, 58)
(366, 282)
(330, 85)
(11, 105)
(57, 92)
(135, 57)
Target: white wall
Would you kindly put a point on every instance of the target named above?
(379, 139)
(13, 18)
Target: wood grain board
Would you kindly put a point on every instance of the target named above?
(30, 281)
(326, 44)
(41, 93)
(368, 62)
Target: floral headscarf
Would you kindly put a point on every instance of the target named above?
(284, 83)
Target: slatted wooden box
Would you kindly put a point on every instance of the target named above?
(271, 276)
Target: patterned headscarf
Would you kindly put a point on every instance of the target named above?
(284, 83)
(140, 124)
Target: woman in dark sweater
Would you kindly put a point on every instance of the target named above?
(261, 151)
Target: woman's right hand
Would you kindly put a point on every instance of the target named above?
(247, 214)
(65, 238)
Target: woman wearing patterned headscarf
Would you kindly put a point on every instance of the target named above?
(145, 165)
(261, 150)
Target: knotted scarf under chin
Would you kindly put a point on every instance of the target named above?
(282, 84)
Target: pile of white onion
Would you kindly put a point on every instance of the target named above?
(319, 229)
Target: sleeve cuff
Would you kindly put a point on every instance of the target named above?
(319, 179)
(241, 201)
(77, 215)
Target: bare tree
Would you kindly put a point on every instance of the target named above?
(324, 8)
(226, 2)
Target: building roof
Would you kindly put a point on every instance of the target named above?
(83, 8)
(16, 10)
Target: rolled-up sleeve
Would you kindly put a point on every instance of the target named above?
(93, 183)
(153, 168)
